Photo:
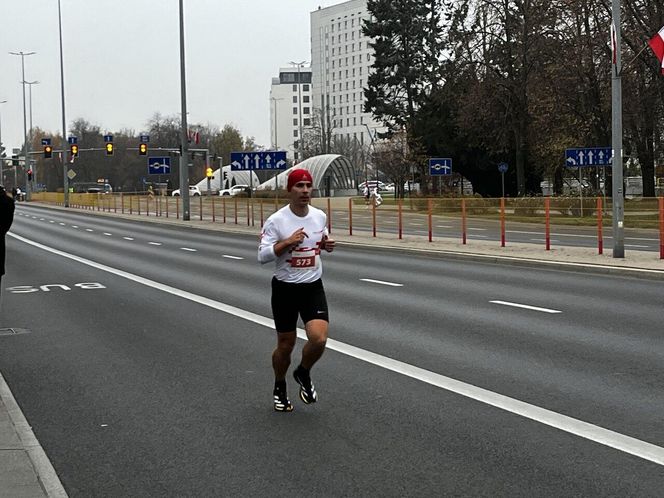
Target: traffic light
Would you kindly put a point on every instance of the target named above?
(208, 173)
(48, 151)
(30, 175)
(143, 149)
(74, 150)
(109, 148)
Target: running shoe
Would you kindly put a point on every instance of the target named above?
(307, 391)
(281, 402)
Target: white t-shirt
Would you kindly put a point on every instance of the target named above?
(301, 264)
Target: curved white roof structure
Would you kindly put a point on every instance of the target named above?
(231, 178)
(337, 168)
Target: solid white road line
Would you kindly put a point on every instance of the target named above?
(380, 282)
(606, 437)
(525, 306)
(231, 257)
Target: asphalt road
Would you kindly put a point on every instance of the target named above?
(145, 370)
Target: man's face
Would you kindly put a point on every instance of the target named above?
(300, 193)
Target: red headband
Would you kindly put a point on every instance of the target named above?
(298, 175)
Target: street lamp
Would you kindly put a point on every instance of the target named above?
(299, 106)
(276, 138)
(65, 178)
(616, 139)
(30, 83)
(2, 161)
(26, 148)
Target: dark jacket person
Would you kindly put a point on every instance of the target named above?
(6, 219)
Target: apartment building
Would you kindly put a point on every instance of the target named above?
(340, 63)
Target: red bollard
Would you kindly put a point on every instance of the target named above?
(600, 238)
(463, 221)
(350, 216)
(329, 216)
(400, 220)
(429, 217)
(502, 222)
(547, 236)
(661, 228)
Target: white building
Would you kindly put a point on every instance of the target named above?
(290, 108)
(340, 63)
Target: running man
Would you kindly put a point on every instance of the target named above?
(293, 237)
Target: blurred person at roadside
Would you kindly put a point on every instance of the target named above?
(6, 219)
(294, 237)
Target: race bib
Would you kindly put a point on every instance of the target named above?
(304, 259)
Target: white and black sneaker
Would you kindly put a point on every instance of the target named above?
(307, 391)
(281, 402)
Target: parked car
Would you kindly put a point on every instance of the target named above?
(234, 190)
(389, 188)
(193, 191)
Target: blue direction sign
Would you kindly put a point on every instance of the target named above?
(145, 139)
(72, 140)
(108, 138)
(159, 165)
(588, 156)
(46, 141)
(440, 166)
(270, 159)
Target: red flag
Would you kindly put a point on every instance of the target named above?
(614, 45)
(657, 45)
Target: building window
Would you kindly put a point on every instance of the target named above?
(294, 110)
(354, 121)
(295, 88)
(294, 121)
(294, 99)
(307, 122)
(305, 99)
(305, 110)
(295, 133)
(295, 153)
(305, 88)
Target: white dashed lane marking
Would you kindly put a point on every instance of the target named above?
(127, 238)
(381, 282)
(188, 249)
(231, 257)
(89, 230)
(108, 234)
(154, 243)
(525, 306)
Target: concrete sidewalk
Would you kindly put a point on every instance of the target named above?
(25, 471)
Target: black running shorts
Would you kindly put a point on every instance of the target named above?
(292, 300)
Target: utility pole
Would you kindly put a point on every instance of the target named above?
(63, 154)
(26, 144)
(184, 153)
(30, 83)
(618, 201)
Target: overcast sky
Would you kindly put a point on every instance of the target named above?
(122, 61)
